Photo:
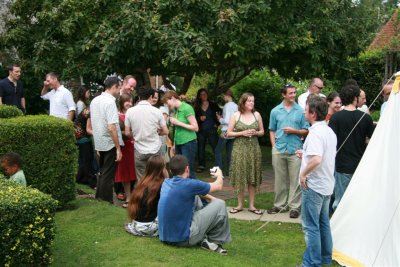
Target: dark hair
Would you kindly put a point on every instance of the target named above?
(228, 92)
(80, 94)
(111, 81)
(53, 75)
(318, 106)
(122, 99)
(242, 101)
(12, 158)
(170, 94)
(348, 93)
(197, 102)
(332, 96)
(159, 101)
(178, 164)
(351, 82)
(148, 186)
(285, 87)
(144, 92)
(12, 66)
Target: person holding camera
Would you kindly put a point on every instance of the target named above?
(182, 218)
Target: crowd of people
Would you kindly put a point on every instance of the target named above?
(317, 143)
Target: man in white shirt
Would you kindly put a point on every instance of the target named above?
(128, 85)
(145, 123)
(107, 136)
(317, 182)
(315, 87)
(62, 104)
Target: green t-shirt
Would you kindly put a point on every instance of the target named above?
(182, 135)
(18, 177)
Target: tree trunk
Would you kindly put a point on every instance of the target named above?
(187, 80)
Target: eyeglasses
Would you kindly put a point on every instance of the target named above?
(289, 85)
(320, 88)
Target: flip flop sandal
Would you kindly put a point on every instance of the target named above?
(258, 212)
(235, 210)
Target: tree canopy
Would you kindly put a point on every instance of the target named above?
(228, 39)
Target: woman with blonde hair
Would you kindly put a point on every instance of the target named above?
(245, 126)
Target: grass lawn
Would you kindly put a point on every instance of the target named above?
(90, 233)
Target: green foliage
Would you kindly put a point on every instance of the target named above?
(47, 147)
(225, 38)
(26, 225)
(7, 111)
(265, 86)
(368, 70)
(375, 115)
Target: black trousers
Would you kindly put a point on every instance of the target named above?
(86, 174)
(108, 166)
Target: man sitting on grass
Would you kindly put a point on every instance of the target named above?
(182, 218)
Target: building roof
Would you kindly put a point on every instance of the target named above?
(385, 38)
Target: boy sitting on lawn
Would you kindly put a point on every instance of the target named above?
(183, 220)
(11, 164)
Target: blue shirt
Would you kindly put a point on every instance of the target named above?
(175, 208)
(281, 118)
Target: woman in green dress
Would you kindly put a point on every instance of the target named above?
(246, 125)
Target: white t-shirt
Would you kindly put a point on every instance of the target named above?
(303, 99)
(103, 112)
(61, 102)
(321, 141)
(145, 121)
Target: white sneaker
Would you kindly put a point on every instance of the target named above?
(213, 247)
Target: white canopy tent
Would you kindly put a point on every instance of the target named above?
(366, 224)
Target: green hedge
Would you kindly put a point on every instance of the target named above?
(26, 225)
(47, 147)
(9, 111)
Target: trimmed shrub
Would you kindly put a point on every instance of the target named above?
(26, 225)
(7, 111)
(47, 147)
(368, 70)
(265, 87)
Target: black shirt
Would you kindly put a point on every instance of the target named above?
(350, 154)
(11, 94)
(144, 214)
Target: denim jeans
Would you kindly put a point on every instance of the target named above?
(316, 227)
(189, 151)
(342, 180)
(228, 144)
(203, 136)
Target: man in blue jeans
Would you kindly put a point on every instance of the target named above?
(317, 182)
